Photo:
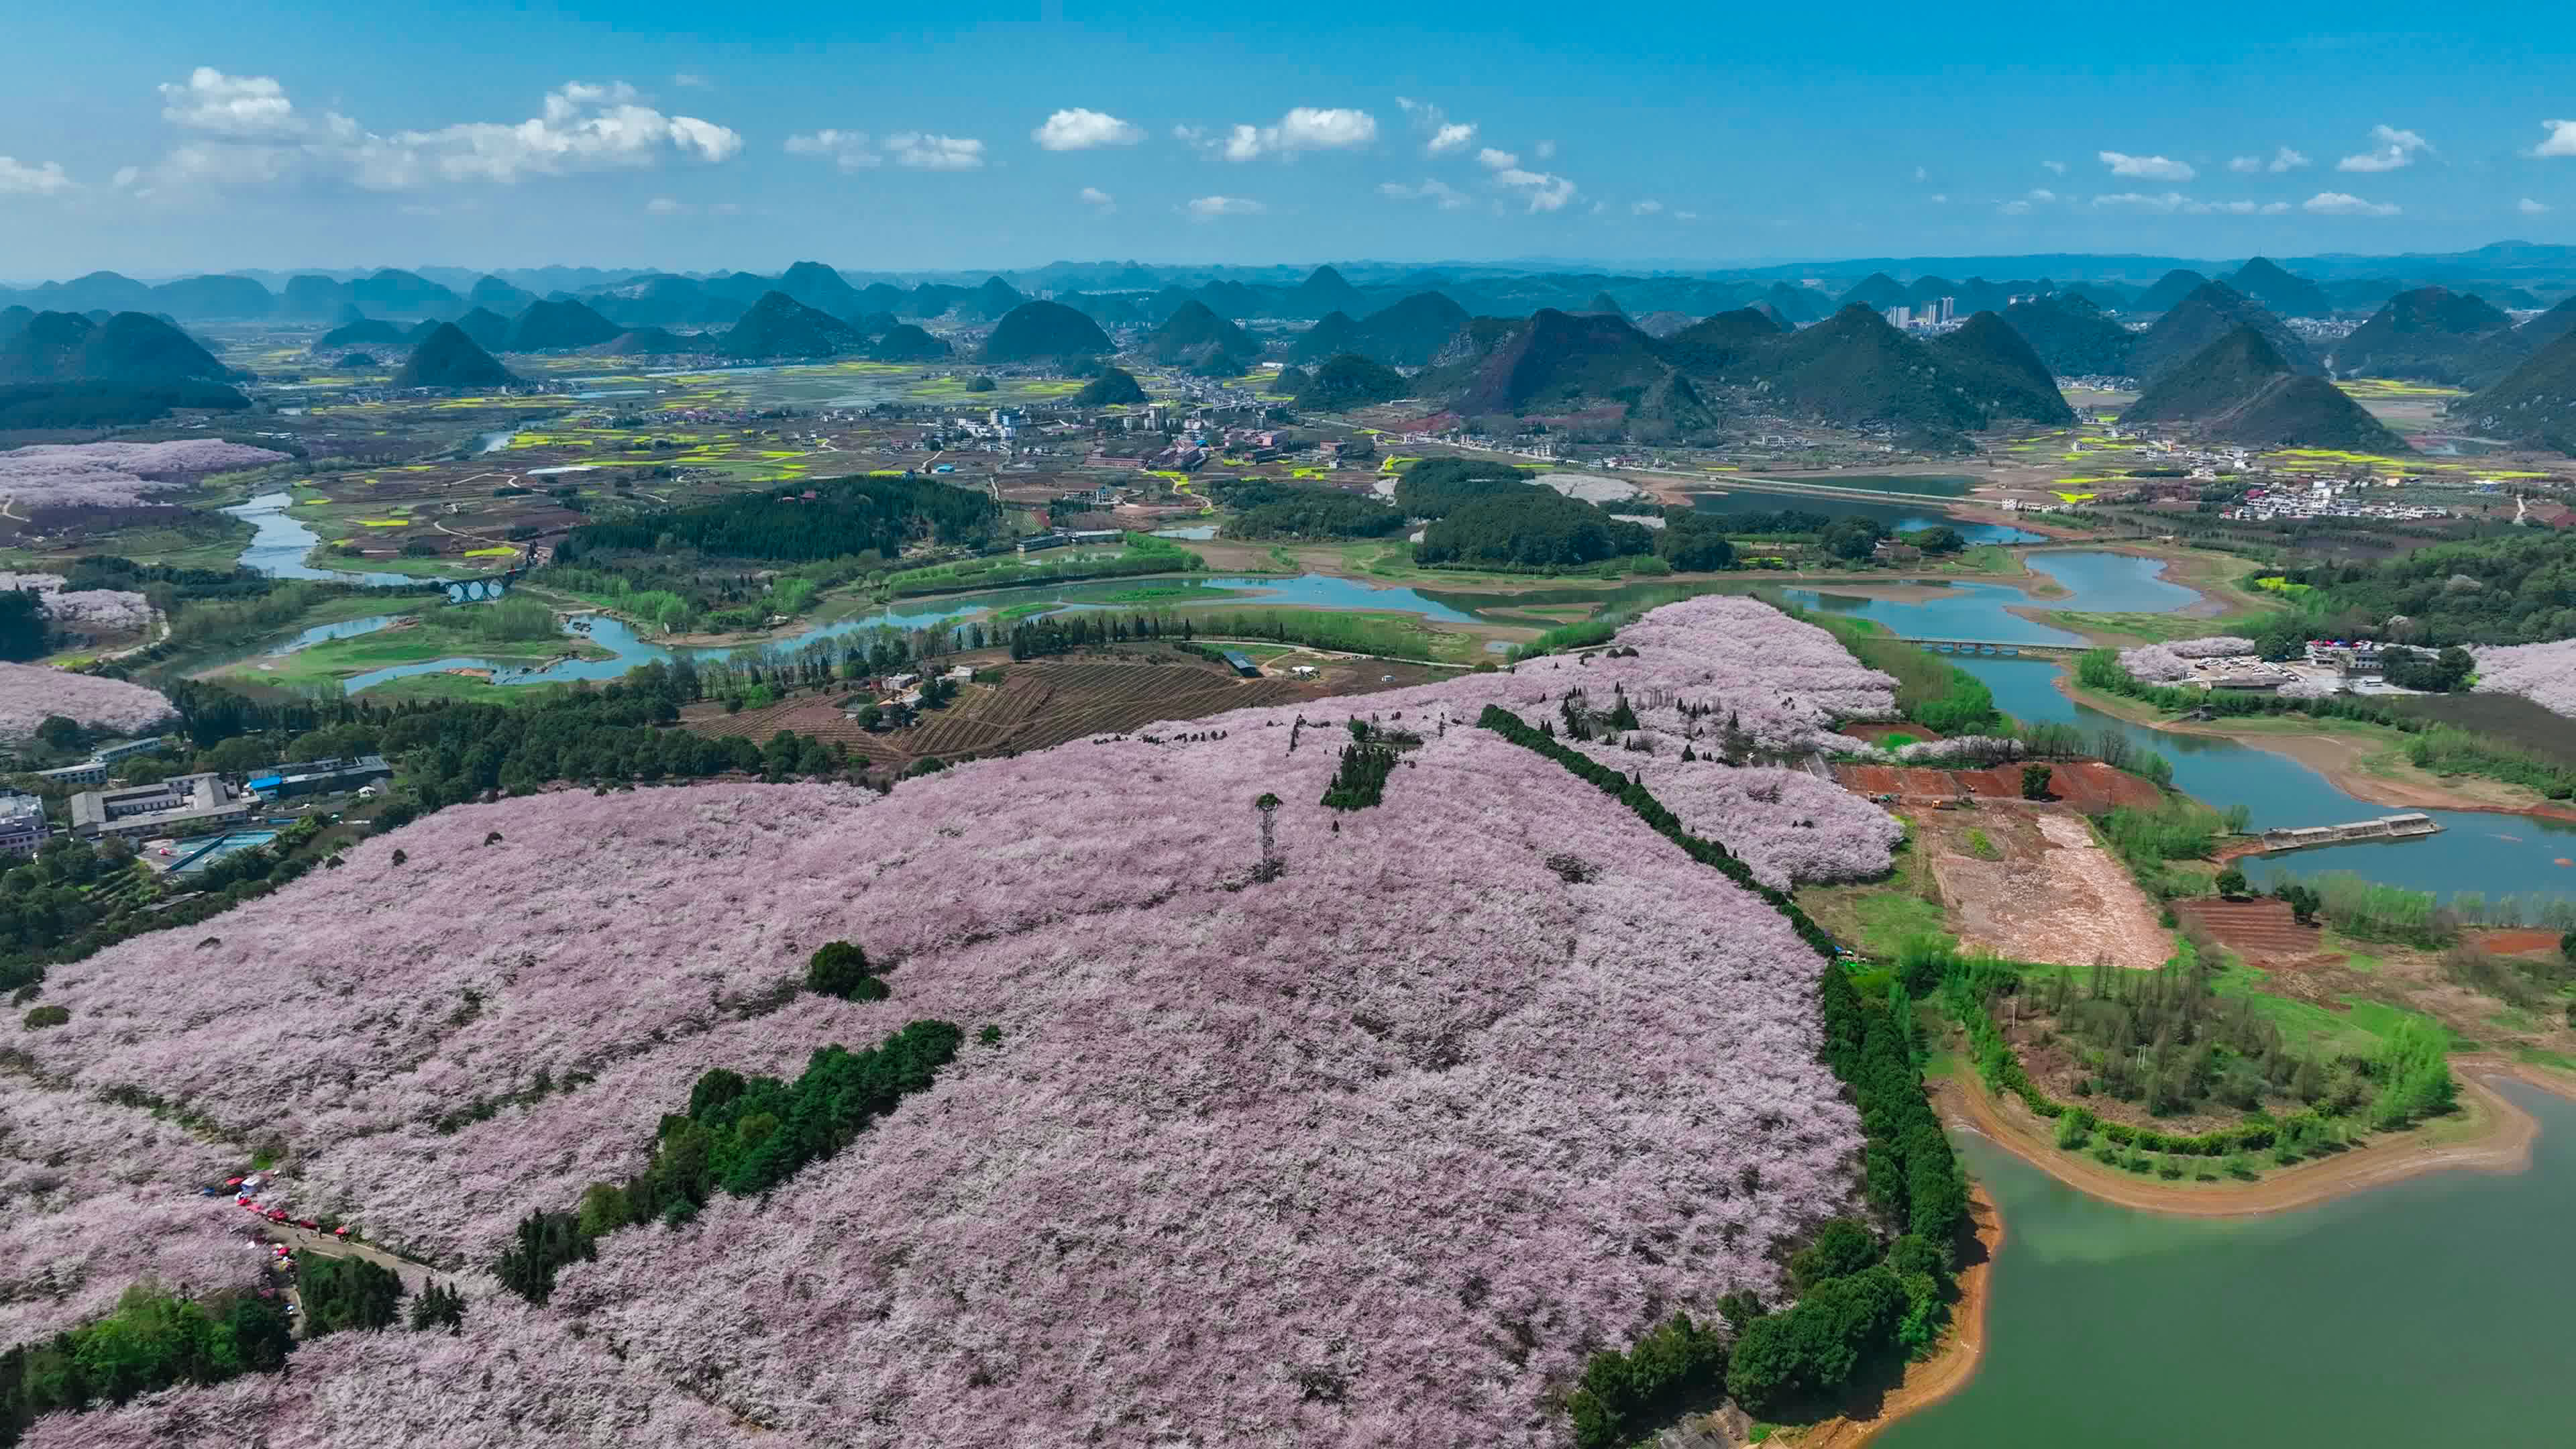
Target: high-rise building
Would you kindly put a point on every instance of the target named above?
(1949, 309)
(1900, 316)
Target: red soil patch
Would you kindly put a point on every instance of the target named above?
(2087, 785)
(2516, 943)
(2259, 931)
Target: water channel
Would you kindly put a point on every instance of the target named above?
(280, 541)
(2493, 854)
(2429, 1312)
(630, 650)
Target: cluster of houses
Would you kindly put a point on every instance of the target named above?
(177, 807)
(2326, 498)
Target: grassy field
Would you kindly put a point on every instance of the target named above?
(329, 662)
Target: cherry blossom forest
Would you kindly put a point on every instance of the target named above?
(1366, 1141)
(31, 692)
(55, 475)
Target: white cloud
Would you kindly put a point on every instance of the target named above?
(19, 178)
(2040, 193)
(1686, 215)
(1449, 197)
(1544, 150)
(1078, 129)
(2396, 149)
(2056, 166)
(691, 80)
(2336, 203)
(1307, 128)
(2561, 142)
(1209, 208)
(126, 176)
(2015, 208)
(247, 131)
(1445, 135)
(848, 149)
(2245, 164)
(2145, 201)
(665, 206)
(2529, 207)
(1542, 191)
(1647, 207)
(2150, 168)
(229, 105)
(1922, 175)
(924, 152)
(2174, 203)
(1094, 196)
(1940, 198)
(1494, 160)
(2285, 159)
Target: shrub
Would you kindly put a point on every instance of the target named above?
(2034, 782)
(44, 1016)
(347, 1293)
(841, 969)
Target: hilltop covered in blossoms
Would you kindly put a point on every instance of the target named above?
(87, 611)
(1371, 1152)
(56, 474)
(2545, 674)
(30, 693)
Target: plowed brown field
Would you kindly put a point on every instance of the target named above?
(2262, 932)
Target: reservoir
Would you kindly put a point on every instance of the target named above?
(2428, 1312)
(1960, 610)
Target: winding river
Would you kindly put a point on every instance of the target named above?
(279, 543)
(2429, 1312)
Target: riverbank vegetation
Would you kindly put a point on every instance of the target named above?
(2432, 746)
(2158, 1062)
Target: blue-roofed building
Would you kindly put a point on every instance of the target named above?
(315, 777)
(1242, 663)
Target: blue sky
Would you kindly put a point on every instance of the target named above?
(158, 139)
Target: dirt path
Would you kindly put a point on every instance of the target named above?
(2499, 1141)
(1952, 1365)
(303, 1240)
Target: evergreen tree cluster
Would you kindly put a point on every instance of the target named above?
(156, 1339)
(847, 516)
(744, 1135)
(1532, 529)
(343, 1293)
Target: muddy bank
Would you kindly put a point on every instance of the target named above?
(2491, 1135)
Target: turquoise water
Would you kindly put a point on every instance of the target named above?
(2094, 580)
(1967, 611)
(2432, 1312)
(630, 650)
(2492, 854)
(2115, 583)
(1900, 516)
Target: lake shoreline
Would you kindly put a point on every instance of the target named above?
(2336, 758)
(1953, 1362)
(2499, 1141)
